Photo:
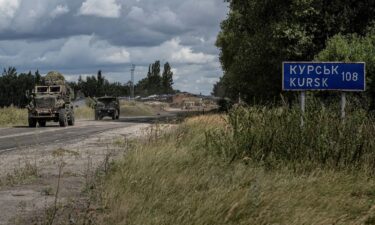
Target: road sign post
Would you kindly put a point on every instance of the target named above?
(343, 105)
(303, 106)
(324, 76)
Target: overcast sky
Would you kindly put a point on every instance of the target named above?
(79, 37)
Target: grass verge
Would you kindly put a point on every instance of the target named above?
(136, 109)
(12, 116)
(189, 177)
(84, 112)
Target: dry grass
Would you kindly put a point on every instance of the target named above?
(84, 112)
(22, 174)
(136, 109)
(12, 116)
(175, 179)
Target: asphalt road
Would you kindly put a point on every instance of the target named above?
(23, 137)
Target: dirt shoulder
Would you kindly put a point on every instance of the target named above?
(31, 177)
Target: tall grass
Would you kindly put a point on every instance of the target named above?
(173, 178)
(274, 136)
(135, 109)
(12, 116)
(84, 112)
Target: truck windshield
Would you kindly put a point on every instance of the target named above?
(42, 89)
(55, 89)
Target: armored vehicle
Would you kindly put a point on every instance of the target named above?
(51, 101)
(107, 106)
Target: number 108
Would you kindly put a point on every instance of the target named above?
(348, 76)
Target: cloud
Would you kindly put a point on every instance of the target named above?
(101, 8)
(85, 51)
(77, 53)
(7, 12)
(161, 19)
(59, 10)
(171, 51)
(82, 36)
(186, 54)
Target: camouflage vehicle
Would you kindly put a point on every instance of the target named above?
(107, 106)
(51, 102)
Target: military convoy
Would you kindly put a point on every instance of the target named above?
(107, 106)
(51, 101)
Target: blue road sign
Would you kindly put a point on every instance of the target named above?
(304, 76)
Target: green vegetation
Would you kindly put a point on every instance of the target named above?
(259, 35)
(156, 83)
(254, 166)
(136, 109)
(13, 86)
(12, 116)
(354, 48)
(274, 138)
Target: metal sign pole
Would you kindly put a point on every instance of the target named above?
(343, 105)
(303, 106)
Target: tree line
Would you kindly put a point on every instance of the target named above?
(13, 85)
(258, 36)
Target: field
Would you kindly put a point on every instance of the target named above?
(254, 166)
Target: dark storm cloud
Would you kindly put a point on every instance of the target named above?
(80, 36)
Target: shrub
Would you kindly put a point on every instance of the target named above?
(274, 136)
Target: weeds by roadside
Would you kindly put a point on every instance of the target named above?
(22, 174)
(185, 178)
(274, 137)
(12, 116)
(84, 112)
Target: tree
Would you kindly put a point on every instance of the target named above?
(167, 79)
(38, 77)
(219, 89)
(13, 87)
(354, 48)
(154, 80)
(259, 35)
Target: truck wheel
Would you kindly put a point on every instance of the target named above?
(62, 118)
(114, 115)
(42, 123)
(118, 115)
(32, 122)
(71, 121)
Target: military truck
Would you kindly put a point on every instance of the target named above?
(107, 106)
(51, 101)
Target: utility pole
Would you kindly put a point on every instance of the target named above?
(132, 70)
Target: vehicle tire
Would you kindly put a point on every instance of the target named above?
(114, 115)
(62, 118)
(118, 115)
(71, 121)
(32, 122)
(42, 123)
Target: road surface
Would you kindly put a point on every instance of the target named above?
(21, 137)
